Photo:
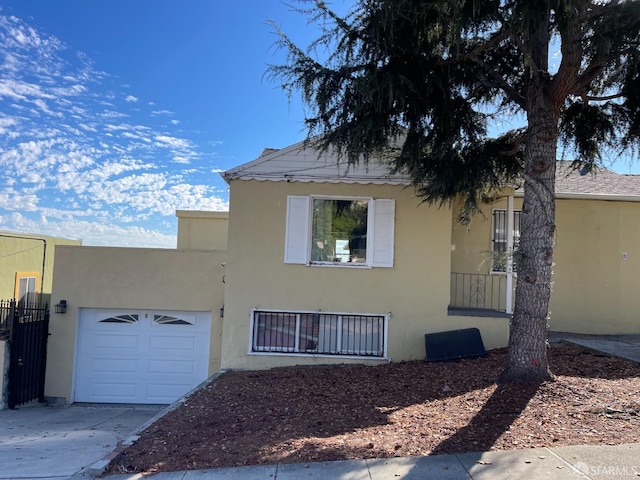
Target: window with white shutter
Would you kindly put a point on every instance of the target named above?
(340, 231)
(297, 230)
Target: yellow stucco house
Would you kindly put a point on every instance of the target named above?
(319, 263)
(26, 265)
(26, 271)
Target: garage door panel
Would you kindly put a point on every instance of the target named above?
(184, 367)
(140, 360)
(173, 342)
(118, 365)
(114, 352)
(109, 392)
(103, 367)
(115, 341)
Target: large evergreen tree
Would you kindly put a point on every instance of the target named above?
(422, 82)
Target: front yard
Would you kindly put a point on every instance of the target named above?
(306, 414)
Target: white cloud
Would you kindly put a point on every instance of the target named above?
(112, 114)
(171, 142)
(13, 201)
(93, 233)
(80, 162)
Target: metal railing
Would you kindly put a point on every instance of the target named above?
(478, 291)
(318, 333)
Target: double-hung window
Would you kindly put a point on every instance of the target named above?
(499, 241)
(339, 231)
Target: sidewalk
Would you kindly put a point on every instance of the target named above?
(577, 462)
(623, 346)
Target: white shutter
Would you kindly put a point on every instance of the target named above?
(383, 232)
(296, 241)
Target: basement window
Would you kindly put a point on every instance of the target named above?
(315, 333)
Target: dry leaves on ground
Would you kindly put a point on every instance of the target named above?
(305, 414)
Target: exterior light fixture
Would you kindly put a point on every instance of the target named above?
(61, 307)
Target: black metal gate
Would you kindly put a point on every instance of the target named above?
(28, 327)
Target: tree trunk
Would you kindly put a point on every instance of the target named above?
(527, 358)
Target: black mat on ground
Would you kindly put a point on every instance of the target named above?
(454, 345)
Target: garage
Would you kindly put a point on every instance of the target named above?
(140, 356)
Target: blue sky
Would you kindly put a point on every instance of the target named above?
(115, 113)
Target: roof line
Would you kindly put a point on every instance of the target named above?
(612, 197)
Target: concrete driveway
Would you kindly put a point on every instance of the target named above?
(40, 442)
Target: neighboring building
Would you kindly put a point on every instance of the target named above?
(26, 271)
(318, 263)
(26, 265)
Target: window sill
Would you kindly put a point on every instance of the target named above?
(477, 312)
(311, 355)
(339, 265)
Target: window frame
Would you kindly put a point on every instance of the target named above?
(254, 351)
(370, 221)
(26, 276)
(516, 214)
(380, 231)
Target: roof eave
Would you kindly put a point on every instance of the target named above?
(304, 179)
(590, 196)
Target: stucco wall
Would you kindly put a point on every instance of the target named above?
(202, 230)
(594, 287)
(27, 255)
(471, 244)
(595, 290)
(135, 278)
(415, 291)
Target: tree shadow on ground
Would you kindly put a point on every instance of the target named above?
(503, 407)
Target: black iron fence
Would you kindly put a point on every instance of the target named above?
(26, 327)
(479, 291)
(7, 309)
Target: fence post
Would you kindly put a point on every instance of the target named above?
(43, 361)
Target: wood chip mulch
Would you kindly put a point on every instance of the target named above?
(308, 414)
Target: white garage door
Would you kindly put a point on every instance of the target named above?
(138, 356)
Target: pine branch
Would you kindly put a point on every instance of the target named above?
(473, 54)
(497, 81)
(602, 99)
